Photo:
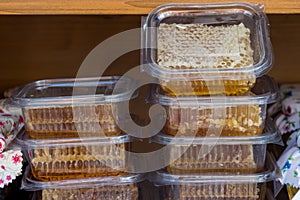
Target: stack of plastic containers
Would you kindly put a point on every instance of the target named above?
(72, 142)
(215, 186)
(210, 60)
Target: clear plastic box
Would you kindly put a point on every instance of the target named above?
(123, 187)
(202, 49)
(217, 115)
(236, 154)
(62, 108)
(215, 186)
(59, 159)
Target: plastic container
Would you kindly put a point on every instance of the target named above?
(215, 186)
(217, 115)
(202, 49)
(123, 187)
(58, 159)
(236, 154)
(62, 108)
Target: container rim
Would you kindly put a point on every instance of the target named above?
(24, 142)
(270, 135)
(258, 69)
(270, 173)
(30, 184)
(267, 92)
(20, 96)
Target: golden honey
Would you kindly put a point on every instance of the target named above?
(204, 88)
(70, 162)
(201, 159)
(239, 120)
(124, 192)
(70, 121)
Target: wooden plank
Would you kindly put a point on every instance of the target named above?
(39, 47)
(120, 6)
(285, 32)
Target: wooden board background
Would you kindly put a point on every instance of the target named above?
(39, 47)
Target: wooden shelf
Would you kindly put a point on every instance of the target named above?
(120, 7)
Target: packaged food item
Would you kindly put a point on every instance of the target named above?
(250, 186)
(58, 159)
(62, 108)
(123, 187)
(202, 49)
(227, 115)
(228, 154)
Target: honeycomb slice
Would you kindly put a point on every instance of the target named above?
(183, 46)
(78, 161)
(232, 159)
(125, 192)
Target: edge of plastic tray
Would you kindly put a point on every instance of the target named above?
(270, 136)
(18, 97)
(271, 173)
(266, 92)
(30, 184)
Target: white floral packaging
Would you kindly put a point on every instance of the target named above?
(10, 159)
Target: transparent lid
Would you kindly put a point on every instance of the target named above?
(265, 91)
(270, 173)
(204, 38)
(30, 184)
(270, 135)
(70, 91)
(24, 142)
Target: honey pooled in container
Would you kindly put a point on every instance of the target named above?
(78, 162)
(60, 122)
(208, 87)
(238, 120)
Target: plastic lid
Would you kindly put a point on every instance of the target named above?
(30, 184)
(270, 136)
(98, 90)
(215, 14)
(270, 173)
(265, 92)
(25, 142)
